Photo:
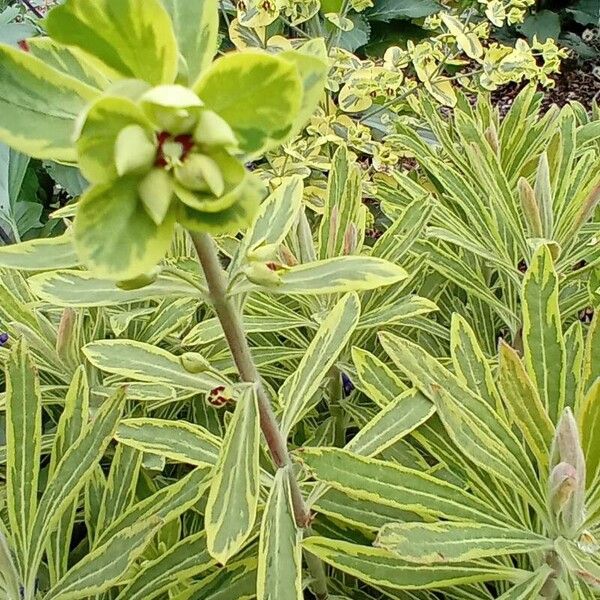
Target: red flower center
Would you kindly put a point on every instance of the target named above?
(185, 141)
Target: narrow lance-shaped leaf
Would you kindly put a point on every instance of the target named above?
(524, 405)
(121, 483)
(296, 393)
(81, 289)
(71, 474)
(392, 485)
(431, 543)
(178, 441)
(233, 497)
(40, 254)
(375, 379)
(334, 275)
(186, 559)
(23, 440)
(589, 425)
(103, 567)
(380, 567)
(72, 423)
(469, 420)
(544, 349)
(531, 587)
(274, 219)
(470, 363)
(395, 421)
(142, 362)
(280, 553)
(166, 504)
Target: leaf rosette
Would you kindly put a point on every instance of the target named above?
(128, 90)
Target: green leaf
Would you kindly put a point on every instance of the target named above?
(312, 63)
(470, 364)
(96, 145)
(296, 394)
(543, 24)
(23, 440)
(166, 504)
(99, 570)
(543, 343)
(71, 474)
(525, 407)
(233, 497)
(114, 236)
(589, 425)
(469, 420)
(142, 362)
(134, 38)
(72, 423)
(71, 61)
(80, 289)
(430, 543)
(196, 27)
(274, 219)
(280, 553)
(379, 567)
(591, 366)
(43, 254)
(343, 201)
(178, 441)
(186, 559)
(388, 10)
(395, 486)
(375, 379)
(39, 106)
(395, 421)
(531, 587)
(335, 275)
(257, 94)
(248, 196)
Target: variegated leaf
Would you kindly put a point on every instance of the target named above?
(543, 343)
(431, 543)
(469, 420)
(114, 31)
(196, 27)
(138, 361)
(186, 559)
(395, 486)
(42, 254)
(296, 394)
(379, 567)
(233, 496)
(82, 289)
(280, 553)
(178, 441)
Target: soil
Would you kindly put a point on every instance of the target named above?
(576, 82)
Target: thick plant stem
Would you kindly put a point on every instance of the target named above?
(236, 338)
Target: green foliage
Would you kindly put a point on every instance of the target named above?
(298, 406)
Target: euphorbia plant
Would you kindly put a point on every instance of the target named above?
(128, 91)
(160, 130)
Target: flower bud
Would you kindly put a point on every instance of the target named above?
(213, 130)
(263, 252)
(194, 362)
(262, 274)
(201, 173)
(562, 485)
(172, 108)
(134, 150)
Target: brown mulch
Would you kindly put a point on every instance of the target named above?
(574, 83)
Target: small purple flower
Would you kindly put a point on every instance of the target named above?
(347, 384)
(4, 337)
